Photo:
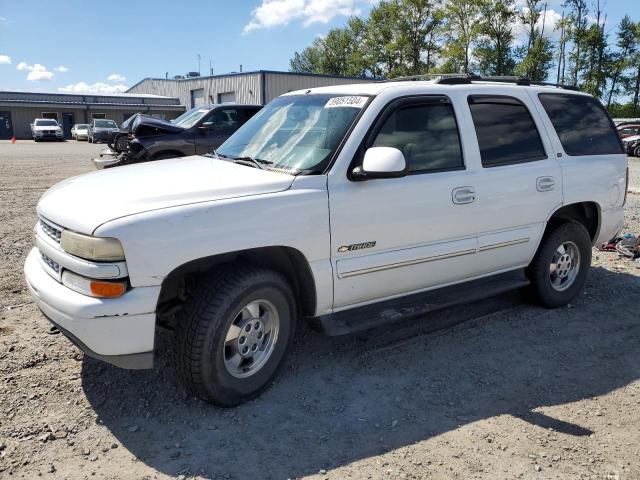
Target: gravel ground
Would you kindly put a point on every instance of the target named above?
(494, 389)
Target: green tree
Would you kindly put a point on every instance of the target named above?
(536, 56)
(620, 61)
(462, 29)
(420, 23)
(578, 35)
(494, 50)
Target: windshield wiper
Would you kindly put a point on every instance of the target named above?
(256, 162)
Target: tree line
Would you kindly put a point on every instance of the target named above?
(490, 38)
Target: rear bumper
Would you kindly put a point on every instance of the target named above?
(119, 331)
(611, 223)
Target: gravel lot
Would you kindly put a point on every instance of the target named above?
(495, 389)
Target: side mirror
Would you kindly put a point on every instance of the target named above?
(381, 162)
(207, 125)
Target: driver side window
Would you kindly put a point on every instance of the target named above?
(426, 133)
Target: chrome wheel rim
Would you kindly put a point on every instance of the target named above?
(251, 338)
(564, 266)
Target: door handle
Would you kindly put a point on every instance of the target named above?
(544, 184)
(462, 195)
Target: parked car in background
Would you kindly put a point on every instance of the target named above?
(46, 129)
(346, 206)
(80, 131)
(628, 130)
(630, 144)
(102, 130)
(196, 132)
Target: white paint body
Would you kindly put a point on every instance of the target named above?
(168, 213)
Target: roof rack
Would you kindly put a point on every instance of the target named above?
(462, 79)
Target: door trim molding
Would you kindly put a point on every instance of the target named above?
(407, 263)
(504, 244)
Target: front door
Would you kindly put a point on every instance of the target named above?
(395, 236)
(6, 127)
(222, 123)
(67, 124)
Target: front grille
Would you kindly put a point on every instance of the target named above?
(55, 266)
(51, 231)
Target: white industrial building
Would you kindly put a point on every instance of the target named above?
(257, 87)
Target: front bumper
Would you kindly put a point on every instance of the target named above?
(119, 331)
(102, 162)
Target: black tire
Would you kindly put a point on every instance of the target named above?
(89, 140)
(541, 290)
(212, 306)
(636, 152)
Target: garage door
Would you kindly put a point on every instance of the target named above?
(197, 97)
(228, 97)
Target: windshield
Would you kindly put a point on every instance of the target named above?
(299, 133)
(106, 124)
(82, 126)
(190, 118)
(46, 123)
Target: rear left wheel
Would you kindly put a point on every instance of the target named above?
(561, 265)
(234, 333)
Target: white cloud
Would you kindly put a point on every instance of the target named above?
(98, 87)
(550, 22)
(61, 69)
(37, 72)
(5, 60)
(116, 77)
(275, 13)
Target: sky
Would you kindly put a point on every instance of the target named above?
(86, 46)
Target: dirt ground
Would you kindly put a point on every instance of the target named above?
(494, 389)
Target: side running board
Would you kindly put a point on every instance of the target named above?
(411, 306)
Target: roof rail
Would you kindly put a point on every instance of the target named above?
(462, 79)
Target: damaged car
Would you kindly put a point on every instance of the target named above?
(198, 131)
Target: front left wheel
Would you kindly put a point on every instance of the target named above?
(234, 333)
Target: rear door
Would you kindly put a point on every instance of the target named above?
(519, 183)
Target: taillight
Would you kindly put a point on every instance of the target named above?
(626, 187)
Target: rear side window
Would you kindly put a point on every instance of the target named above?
(427, 134)
(505, 130)
(582, 124)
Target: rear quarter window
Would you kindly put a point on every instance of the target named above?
(582, 124)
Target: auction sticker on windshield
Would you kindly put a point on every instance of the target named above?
(355, 102)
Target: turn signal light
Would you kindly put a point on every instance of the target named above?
(107, 289)
(92, 287)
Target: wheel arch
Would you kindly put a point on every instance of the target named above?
(288, 261)
(175, 153)
(586, 213)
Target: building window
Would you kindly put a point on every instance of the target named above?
(98, 115)
(51, 115)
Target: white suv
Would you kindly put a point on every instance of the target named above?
(46, 128)
(350, 206)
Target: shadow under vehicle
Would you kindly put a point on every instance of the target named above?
(198, 131)
(336, 401)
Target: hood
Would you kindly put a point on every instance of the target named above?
(85, 202)
(43, 127)
(141, 125)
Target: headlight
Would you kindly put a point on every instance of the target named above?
(92, 248)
